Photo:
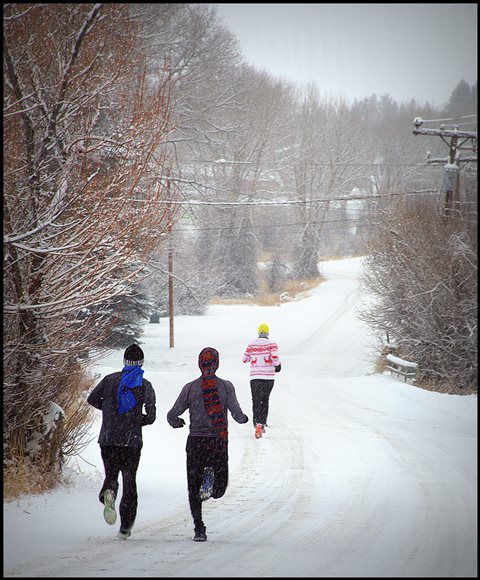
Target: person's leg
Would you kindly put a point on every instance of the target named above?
(265, 398)
(112, 467)
(255, 386)
(210, 454)
(220, 467)
(195, 465)
(130, 458)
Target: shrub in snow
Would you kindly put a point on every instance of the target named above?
(422, 273)
(48, 424)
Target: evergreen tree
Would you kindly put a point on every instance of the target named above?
(129, 313)
(462, 101)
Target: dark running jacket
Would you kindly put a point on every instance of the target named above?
(191, 397)
(122, 430)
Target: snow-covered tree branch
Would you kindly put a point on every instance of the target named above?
(85, 135)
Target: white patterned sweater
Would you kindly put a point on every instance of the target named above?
(262, 354)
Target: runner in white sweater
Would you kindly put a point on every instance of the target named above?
(262, 354)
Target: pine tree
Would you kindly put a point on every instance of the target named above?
(462, 100)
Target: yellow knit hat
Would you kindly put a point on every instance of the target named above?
(263, 329)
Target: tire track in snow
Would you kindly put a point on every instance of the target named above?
(302, 524)
(327, 324)
(413, 534)
(275, 520)
(263, 505)
(254, 494)
(317, 531)
(283, 493)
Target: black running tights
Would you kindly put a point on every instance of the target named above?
(261, 389)
(205, 452)
(126, 460)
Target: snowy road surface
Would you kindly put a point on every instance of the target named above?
(357, 475)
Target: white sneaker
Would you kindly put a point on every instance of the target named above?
(124, 534)
(206, 488)
(109, 513)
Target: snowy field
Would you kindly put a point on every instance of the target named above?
(358, 474)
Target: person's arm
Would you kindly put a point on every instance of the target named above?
(247, 357)
(274, 354)
(179, 407)
(95, 398)
(150, 406)
(233, 405)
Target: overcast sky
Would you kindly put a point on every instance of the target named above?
(410, 51)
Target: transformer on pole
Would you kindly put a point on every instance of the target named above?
(457, 138)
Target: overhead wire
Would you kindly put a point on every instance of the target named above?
(289, 202)
(269, 226)
(221, 162)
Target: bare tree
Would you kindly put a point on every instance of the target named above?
(250, 158)
(85, 196)
(327, 146)
(201, 53)
(203, 59)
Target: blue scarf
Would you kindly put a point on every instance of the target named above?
(131, 378)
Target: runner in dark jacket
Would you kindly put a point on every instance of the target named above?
(208, 398)
(121, 397)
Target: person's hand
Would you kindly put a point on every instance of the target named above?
(180, 423)
(245, 419)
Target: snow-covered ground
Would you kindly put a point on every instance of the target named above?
(357, 475)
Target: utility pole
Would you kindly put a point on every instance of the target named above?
(170, 291)
(168, 73)
(451, 177)
(170, 269)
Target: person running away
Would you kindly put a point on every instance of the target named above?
(121, 397)
(262, 354)
(208, 399)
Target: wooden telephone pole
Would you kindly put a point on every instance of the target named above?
(457, 138)
(168, 72)
(170, 270)
(170, 290)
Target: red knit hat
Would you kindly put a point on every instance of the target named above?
(208, 359)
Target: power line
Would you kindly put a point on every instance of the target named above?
(270, 226)
(227, 236)
(220, 162)
(354, 222)
(291, 202)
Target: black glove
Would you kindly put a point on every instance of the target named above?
(180, 423)
(278, 368)
(245, 419)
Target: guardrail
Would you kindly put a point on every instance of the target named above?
(404, 368)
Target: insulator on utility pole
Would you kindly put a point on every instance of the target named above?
(451, 175)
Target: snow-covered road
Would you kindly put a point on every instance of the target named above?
(357, 475)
